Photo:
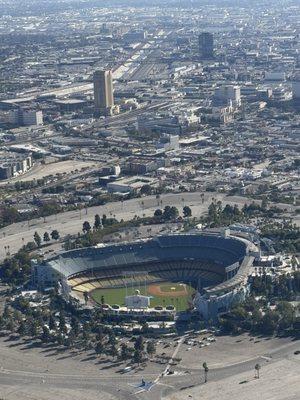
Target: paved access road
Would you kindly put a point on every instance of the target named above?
(195, 378)
(116, 386)
(70, 222)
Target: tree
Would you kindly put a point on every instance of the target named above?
(187, 212)
(99, 348)
(287, 314)
(60, 339)
(86, 227)
(75, 325)
(151, 348)
(52, 323)
(112, 339)
(145, 189)
(55, 234)
(264, 203)
(86, 297)
(45, 335)
(257, 368)
(158, 199)
(269, 322)
(205, 367)
(97, 223)
(113, 351)
(46, 237)
(139, 343)
(32, 327)
(85, 338)
(170, 213)
(256, 318)
(22, 328)
(37, 239)
(69, 342)
(62, 322)
(104, 219)
(9, 215)
(138, 356)
(158, 213)
(125, 352)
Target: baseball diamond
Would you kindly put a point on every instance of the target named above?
(211, 268)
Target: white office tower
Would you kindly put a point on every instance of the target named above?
(103, 92)
(32, 117)
(227, 95)
(25, 117)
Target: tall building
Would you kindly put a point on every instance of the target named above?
(206, 45)
(103, 92)
(32, 117)
(227, 95)
(296, 87)
(25, 117)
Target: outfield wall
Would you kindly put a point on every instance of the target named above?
(220, 262)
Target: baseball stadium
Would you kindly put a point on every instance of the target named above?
(173, 272)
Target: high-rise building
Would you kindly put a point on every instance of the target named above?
(296, 87)
(25, 117)
(227, 95)
(206, 45)
(103, 92)
(32, 117)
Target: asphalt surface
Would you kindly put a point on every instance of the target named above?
(196, 377)
(70, 222)
(125, 386)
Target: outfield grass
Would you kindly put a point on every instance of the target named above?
(117, 295)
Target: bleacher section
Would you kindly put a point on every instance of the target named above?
(180, 257)
(188, 271)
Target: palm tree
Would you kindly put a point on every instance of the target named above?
(205, 367)
(157, 198)
(257, 368)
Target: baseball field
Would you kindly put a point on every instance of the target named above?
(161, 294)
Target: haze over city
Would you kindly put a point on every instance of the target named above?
(149, 200)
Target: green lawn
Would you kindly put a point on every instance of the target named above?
(117, 295)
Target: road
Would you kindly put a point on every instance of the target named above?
(125, 117)
(116, 386)
(176, 383)
(70, 222)
(82, 87)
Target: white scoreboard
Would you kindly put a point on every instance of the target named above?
(137, 301)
